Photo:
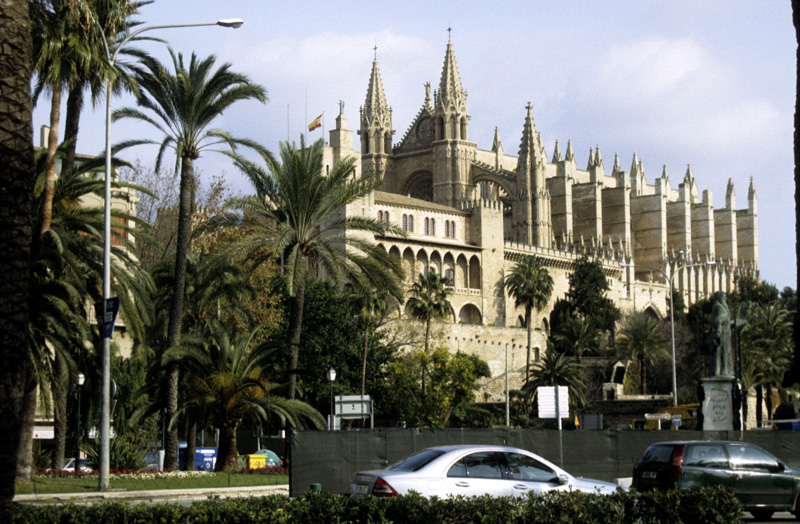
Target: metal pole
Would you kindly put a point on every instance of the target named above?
(672, 327)
(508, 410)
(77, 463)
(105, 406)
(331, 423)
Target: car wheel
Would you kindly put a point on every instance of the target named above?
(761, 514)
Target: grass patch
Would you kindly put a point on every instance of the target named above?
(43, 484)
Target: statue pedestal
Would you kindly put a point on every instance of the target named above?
(719, 404)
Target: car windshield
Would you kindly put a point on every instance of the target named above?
(416, 461)
(657, 455)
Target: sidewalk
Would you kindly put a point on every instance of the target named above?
(156, 495)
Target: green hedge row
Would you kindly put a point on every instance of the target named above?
(707, 505)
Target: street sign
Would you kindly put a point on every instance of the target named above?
(107, 316)
(547, 401)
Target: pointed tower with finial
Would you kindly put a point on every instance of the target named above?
(531, 203)
(747, 229)
(452, 151)
(376, 126)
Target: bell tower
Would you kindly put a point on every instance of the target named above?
(376, 127)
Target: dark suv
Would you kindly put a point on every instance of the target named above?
(763, 484)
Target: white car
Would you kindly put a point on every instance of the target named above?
(85, 466)
(446, 471)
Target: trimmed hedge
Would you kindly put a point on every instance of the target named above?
(707, 505)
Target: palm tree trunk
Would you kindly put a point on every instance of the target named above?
(71, 125)
(16, 197)
(295, 328)
(226, 459)
(427, 335)
(530, 333)
(182, 247)
(60, 393)
(793, 376)
(50, 166)
(759, 409)
(642, 377)
(364, 360)
(25, 449)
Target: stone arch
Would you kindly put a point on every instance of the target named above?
(652, 311)
(422, 262)
(419, 185)
(497, 186)
(474, 273)
(408, 264)
(463, 128)
(470, 314)
(546, 326)
(439, 125)
(536, 354)
(462, 272)
(394, 252)
(449, 268)
(387, 142)
(435, 262)
(520, 321)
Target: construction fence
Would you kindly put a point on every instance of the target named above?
(330, 458)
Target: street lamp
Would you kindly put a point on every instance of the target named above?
(78, 431)
(331, 378)
(671, 313)
(105, 408)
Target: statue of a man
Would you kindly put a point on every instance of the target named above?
(721, 352)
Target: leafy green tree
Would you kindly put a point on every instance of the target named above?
(641, 339)
(557, 369)
(531, 286)
(577, 336)
(452, 385)
(368, 305)
(181, 105)
(587, 294)
(296, 216)
(232, 381)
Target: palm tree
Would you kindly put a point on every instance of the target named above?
(531, 286)
(67, 279)
(16, 197)
(181, 106)
(767, 349)
(368, 305)
(296, 216)
(577, 335)
(429, 301)
(641, 339)
(557, 369)
(231, 383)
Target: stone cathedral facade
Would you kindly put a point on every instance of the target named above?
(471, 213)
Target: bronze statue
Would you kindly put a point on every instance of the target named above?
(721, 351)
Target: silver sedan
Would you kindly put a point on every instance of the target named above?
(446, 471)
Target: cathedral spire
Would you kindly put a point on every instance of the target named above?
(556, 153)
(497, 145)
(375, 106)
(598, 158)
(591, 159)
(617, 167)
(570, 155)
(529, 152)
(451, 94)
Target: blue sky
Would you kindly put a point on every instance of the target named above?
(708, 84)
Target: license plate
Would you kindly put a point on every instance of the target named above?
(648, 474)
(362, 489)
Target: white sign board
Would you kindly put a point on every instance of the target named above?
(547, 401)
(353, 406)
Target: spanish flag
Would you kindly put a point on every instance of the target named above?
(315, 124)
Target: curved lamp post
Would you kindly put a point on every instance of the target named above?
(671, 313)
(105, 409)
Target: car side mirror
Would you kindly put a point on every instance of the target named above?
(778, 468)
(563, 479)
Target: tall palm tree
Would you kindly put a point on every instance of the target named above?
(232, 384)
(531, 286)
(429, 301)
(557, 369)
(67, 279)
(297, 216)
(641, 339)
(577, 335)
(767, 349)
(181, 105)
(369, 305)
(16, 197)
